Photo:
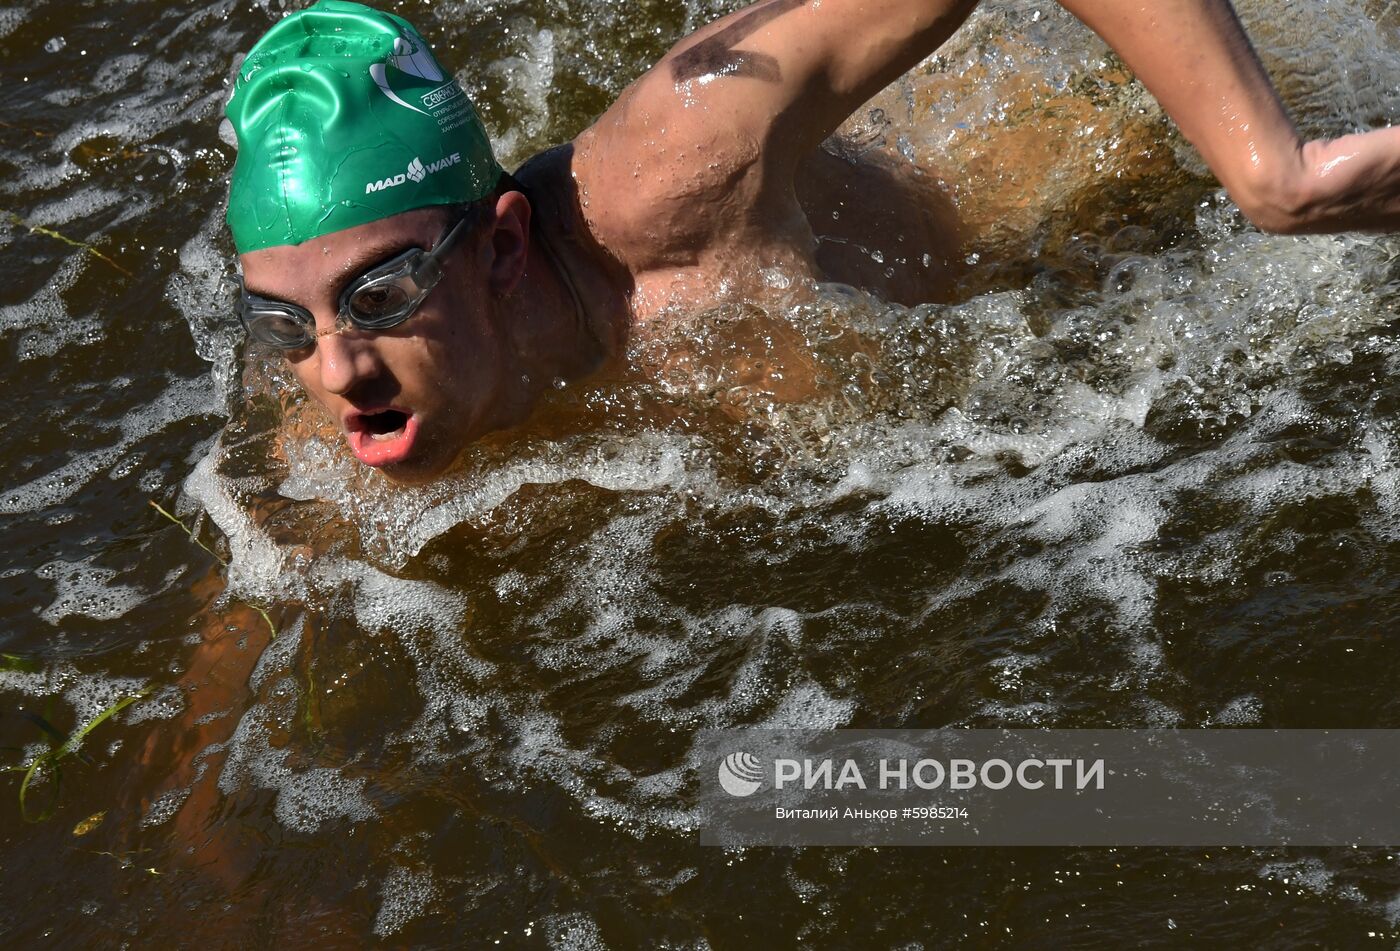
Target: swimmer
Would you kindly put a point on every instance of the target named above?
(425, 298)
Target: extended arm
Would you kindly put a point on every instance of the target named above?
(1195, 58)
(786, 73)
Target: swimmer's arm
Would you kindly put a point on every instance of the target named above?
(1193, 55)
(781, 75)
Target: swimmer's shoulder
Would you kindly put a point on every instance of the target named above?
(664, 179)
(624, 234)
(601, 278)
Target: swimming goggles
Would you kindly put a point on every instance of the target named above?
(383, 297)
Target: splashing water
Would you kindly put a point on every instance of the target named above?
(1143, 471)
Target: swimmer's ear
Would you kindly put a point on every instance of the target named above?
(510, 242)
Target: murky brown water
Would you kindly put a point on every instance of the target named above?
(1143, 474)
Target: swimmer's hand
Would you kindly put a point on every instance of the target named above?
(1193, 55)
(734, 107)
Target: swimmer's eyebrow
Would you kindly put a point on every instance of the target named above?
(365, 258)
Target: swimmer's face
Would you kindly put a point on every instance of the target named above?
(410, 398)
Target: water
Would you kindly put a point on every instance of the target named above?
(1141, 472)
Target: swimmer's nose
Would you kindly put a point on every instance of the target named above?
(346, 360)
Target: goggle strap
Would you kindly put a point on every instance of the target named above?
(429, 272)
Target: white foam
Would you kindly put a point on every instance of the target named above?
(808, 707)
(165, 704)
(256, 562)
(182, 399)
(573, 932)
(1038, 432)
(45, 324)
(117, 72)
(198, 292)
(1243, 711)
(58, 486)
(396, 523)
(1311, 874)
(91, 694)
(85, 589)
(527, 78)
(10, 19)
(403, 895)
(305, 798)
(164, 807)
(73, 210)
(39, 683)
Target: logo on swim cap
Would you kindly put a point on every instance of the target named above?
(412, 56)
(442, 94)
(408, 57)
(335, 107)
(416, 172)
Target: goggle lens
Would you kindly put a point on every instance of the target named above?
(277, 327)
(382, 303)
(382, 298)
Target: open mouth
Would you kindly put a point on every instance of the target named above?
(384, 425)
(381, 437)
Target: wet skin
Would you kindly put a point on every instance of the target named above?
(440, 371)
(473, 357)
(410, 397)
(706, 171)
(707, 167)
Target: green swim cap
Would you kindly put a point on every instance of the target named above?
(343, 117)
